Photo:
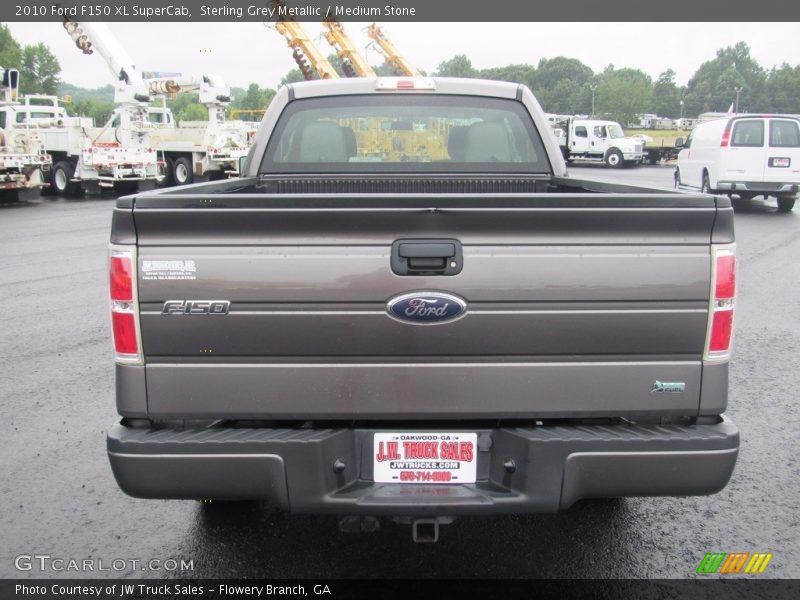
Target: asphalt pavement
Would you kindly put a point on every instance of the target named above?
(59, 498)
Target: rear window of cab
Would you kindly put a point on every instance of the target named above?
(396, 133)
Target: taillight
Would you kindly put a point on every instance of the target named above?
(726, 138)
(720, 317)
(124, 304)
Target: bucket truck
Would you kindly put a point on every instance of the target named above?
(24, 164)
(193, 149)
(118, 155)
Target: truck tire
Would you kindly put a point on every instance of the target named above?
(169, 176)
(182, 171)
(47, 177)
(786, 203)
(62, 175)
(677, 176)
(614, 159)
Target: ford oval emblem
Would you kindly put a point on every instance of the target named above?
(426, 308)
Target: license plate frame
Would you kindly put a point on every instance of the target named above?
(780, 162)
(422, 457)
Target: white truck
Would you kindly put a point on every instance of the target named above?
(599, 141)
(119, 154)
(85, 157)
(24, 163)
(190, 150)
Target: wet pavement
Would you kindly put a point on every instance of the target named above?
(59, 497)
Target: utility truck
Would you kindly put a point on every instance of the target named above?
(86, 157)
(194, 149)
(24, 164)
(599, 141)
(117, 155)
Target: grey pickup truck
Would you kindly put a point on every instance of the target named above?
(406, 307)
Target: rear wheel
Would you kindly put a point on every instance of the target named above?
(614, 159)
(169, 175)
(62, 179)
(182, 171)
(47, 178)
(785, 203)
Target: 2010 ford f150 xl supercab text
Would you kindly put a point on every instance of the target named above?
(405, 307)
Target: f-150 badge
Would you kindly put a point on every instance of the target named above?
(196, 307)
(426, 308)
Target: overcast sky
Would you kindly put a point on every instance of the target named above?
(249, 52)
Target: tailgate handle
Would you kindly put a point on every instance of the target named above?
(426, 257)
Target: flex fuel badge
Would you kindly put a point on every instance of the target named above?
(168, 270)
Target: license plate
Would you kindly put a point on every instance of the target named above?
(425, 457)
(779, 162)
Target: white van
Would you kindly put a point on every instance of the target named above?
(746, 155)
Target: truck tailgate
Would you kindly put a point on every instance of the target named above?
(576, 304)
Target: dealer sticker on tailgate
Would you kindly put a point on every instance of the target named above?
(425, 457)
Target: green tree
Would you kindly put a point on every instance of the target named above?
(557, 83)
(193, 112)
(623, 94)
(458, 66)
(713, 87)
(254, 98)
(519, 73)
(98, 110)
(293, 76)
(667, 96)
(40, 69)
(10, 51)
(783, 89)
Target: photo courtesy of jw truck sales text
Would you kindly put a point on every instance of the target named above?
(339, 297)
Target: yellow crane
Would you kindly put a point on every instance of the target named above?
(353, 64)
(304, 51)
(390, 53)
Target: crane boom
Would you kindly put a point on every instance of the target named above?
(390, 53)
(89, 37)
(353, 63)
(212, 91)
(304, 50)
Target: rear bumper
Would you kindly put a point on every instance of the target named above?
(762, 187)
(633, 155)
(555, 466)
